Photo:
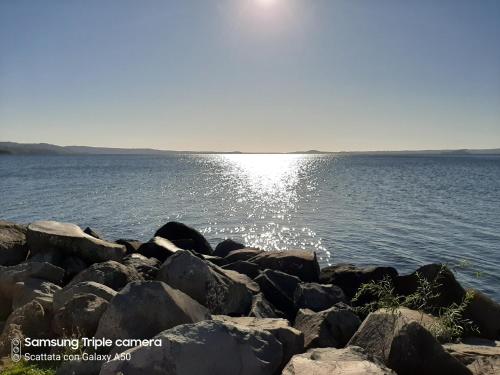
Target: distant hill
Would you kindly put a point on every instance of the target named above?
(13, 148)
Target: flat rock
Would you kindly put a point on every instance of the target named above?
(300, 263)
(13, 247)
(333, 327)
(159, 248)
(219, 290)
(110, 273)
(317, 297)
(178, 233)
(62, 296)
(204, 348)
(224, 247)
(144, 309)
(71, 240)
(329, 361)
(481, 356)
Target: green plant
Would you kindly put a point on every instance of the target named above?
(23, 368)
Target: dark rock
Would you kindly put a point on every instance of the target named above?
(317, 297)
(146, 267)
(174, 231)
(213, 287)
(279, 288)
(204, 348)
(485, 314)
(218, 261)
(54, 257)
(349, 277)
(131, 245)
(159, 248)
(144, 309)
(329, 328)
(69, 239)
(64, 295)
(242, 254)
(329, 361)
(300, 263)
(110, 273)
(33, 289)
(13, 248)
(93, 233)
(404, 344)
(224, 247)
(79, 367)
(247, 268)
(262, 308)
(79, 316)
(72, 266)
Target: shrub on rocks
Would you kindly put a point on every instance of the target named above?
(224, 247)
(110, 273)
(62, 296)
(329, 328)
(219, 290)
(204, 348)
(143, 309)
(13, 248)
(178, 233)
(71, 240)
(329, 361)
(317, 297)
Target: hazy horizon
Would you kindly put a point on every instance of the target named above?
(251, 75)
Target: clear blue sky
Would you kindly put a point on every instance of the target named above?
(251, 75)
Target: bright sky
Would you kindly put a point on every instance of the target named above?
(251, 75)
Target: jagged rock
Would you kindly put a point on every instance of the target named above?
(317, 297)
(131, 245)
(262, 308)
(175, 232)
(350, 277)
(204, 348)
(159, 248)
(279, 288)
(291, 339)
(13, 248)
(146, 267)
(481, 356)
(218, 261)
(144, 309)
(300, 263)
(485, 314)
(208, 284)
(62, 296)
(32, 289)
(29, 320)
(70, 240)
(224, 247)
(329, 328)
(404, 344)
(110, 273)
(329, 361)
(93, 233)
(243, 279)
(244, 267)
(242, 254)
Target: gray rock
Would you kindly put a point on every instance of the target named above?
(34, 290)
(79, 368)
(204, 348)
(329, 328)
(485, 313)
(262, 308)
(404, 345)
(110, 273)
(317, 297)
(62, 296)
(131, 245)
(242, 254)
(159, 248)
(146, 267)
(220, 291)
(178, 233)
(300, 263)
(481, 356)
(71, 240)
(79, 316)
(329, 361)
(244, 267)
(143, 309)
(93, 233)
(224, 247)
(13, 248)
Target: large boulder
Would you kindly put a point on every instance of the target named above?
(144, 309)
(213, 287)
(110, 273)
(204, 348)
(34, 290)
(79, 316)
(404, 345)
(224, 247)
(485, 314)
(250, 269)
(350, 277)
(329, 328)
(317, 297)
(62, 296)
(481, 356)
(262, 308)
(279, 288)
(13, 248)
(159, 248)
(71, 240)
(178, 233)
(291, 339)
(146, 267)
(329, 361)
(300, 263)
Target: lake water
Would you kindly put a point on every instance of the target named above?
(398, 211)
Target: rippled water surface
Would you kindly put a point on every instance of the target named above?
(399, 211)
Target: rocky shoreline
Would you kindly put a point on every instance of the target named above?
(232, 310)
